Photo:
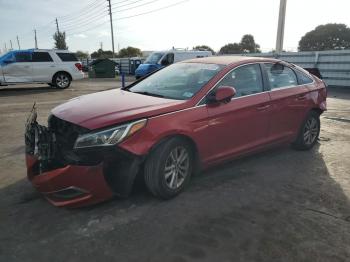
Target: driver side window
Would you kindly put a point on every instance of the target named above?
(23, 57)
(168, 59)
(247, 80)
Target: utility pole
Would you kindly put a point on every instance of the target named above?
(5, 48)
(11, 44)
(19, 47)
(101, 45)
(281, 24)
(36, 40)
(111, 19)
(58, 30)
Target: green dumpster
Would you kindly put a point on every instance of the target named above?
(102, 68)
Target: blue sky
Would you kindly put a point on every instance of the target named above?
(187, 24)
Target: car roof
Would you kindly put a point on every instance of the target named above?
(227, 60)
(41, 50)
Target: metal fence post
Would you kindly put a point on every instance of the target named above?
(123, 80)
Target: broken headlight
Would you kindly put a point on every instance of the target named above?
(109, 136)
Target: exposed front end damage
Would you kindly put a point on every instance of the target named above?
(70, 177)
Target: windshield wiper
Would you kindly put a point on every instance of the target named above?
(147, 93)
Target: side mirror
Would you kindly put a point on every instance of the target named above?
(222, 94)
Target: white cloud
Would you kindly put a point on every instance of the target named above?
(103, 33)
(80, 35)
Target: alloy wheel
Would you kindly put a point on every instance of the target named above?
(177, 167)
(62, 81)
(310, 131)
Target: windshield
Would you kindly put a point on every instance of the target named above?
(178, 81)
(4, 55)
(154, 58)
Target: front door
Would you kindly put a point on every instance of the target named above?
(19, 70)
(240, 125)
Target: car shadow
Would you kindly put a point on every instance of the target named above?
(282, 191)
(26, 90)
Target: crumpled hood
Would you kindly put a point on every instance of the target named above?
(113, 107)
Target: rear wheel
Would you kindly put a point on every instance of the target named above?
(61, 80)
(309, 132)
(168, 169)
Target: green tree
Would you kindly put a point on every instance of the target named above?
(129, 52)
(326, 37)
(248, 44)
(231, 49)
(203, 48)
(82, 54)
(101, 54)
(60, 40)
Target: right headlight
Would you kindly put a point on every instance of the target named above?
(108, 137)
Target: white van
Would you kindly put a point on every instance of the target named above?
(55, 67)
(157, 60)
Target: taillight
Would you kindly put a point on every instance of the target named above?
(79, 66)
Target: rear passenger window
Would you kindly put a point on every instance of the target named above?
(42, 57)
(23, 57)
(303, 78)
(67, 57)
(247, 80)
(280, 76)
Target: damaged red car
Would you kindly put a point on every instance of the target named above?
(167, 126)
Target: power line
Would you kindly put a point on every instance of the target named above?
(85, 21)
(119, 2)
(153, 11)
(88, 6)
(127, 17)
(129, 8)
(89, 29)
(85, 15)
(127, 4)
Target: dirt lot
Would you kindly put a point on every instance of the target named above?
(281, 205)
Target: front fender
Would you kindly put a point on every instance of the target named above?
(191, 123)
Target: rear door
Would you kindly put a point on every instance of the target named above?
(240, 125)
(44, 67)
(289, 101)
(20, 70)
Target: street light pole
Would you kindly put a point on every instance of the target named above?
(111, 20)
(281, 24)
(19, 47)
(35, 39)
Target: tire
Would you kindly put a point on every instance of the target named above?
(309, 132)
(61, 80)
(168, 168)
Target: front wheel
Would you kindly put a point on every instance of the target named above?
(61, 80)
(309, 132)
(168, 168)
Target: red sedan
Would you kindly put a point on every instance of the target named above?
(169, 125)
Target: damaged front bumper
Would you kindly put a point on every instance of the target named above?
(71, 186)
(75, 178)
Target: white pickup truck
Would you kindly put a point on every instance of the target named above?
(55, 67)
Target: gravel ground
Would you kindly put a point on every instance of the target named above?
(280, 205)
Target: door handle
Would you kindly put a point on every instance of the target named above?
(264, 107)
(301, 97)
(52, 66)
